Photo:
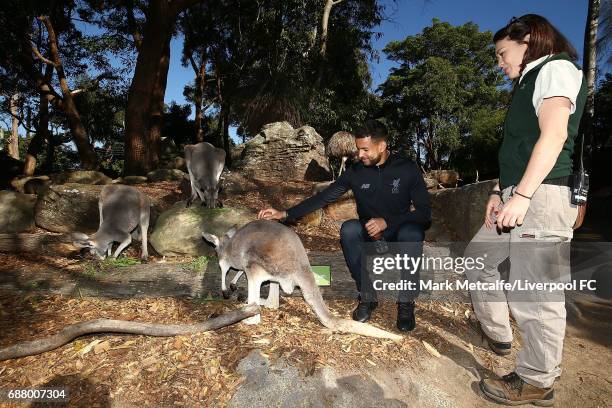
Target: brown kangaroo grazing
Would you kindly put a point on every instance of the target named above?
(269, 251)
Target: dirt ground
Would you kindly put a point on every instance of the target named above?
(201, 369)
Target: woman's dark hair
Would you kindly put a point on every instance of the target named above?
(371, 128)
(544, 38)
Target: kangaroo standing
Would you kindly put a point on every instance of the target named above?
(122, 210)
(269, 251)
(204, 164)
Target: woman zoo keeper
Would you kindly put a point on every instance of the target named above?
(529, 216)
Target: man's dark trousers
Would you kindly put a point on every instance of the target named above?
(353, 234)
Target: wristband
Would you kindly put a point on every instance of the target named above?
(495, 192)
(522, 195)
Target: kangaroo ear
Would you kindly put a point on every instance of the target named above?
(230, 233)
(213, 239)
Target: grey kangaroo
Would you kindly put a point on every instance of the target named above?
(122, 210)
(269, 251)
(204, 164)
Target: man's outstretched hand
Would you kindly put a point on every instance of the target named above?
(375, 227)
(271, 214)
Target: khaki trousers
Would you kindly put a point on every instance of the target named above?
(538, 251)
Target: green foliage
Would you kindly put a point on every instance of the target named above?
(266, 57)
(95, 267)
(198, 264)
(445, 99)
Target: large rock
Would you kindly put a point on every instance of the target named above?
(74, 207)
(178, 230)
(131, 180)
(343, 209)
(16, 211)
(458, 213)
(166, 175)
(176, 162)
(81, 177)
(69, 207)
(18, 183)
(281, 152)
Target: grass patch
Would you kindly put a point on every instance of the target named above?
(198, 264)
(92, 268)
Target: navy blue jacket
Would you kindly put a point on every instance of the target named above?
(384, 191)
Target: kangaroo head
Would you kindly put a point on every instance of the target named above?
(219, 243)
(96, 246)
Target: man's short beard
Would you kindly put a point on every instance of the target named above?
(375, 160)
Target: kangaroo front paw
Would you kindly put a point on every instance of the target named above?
(226, 294)
(253, 319)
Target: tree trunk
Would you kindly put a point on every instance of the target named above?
(142, 145)
(200, 80)
(324, 33)
(13, 143)
(42, 134)
(226, 141)
(156, 120)
(87, 155)
(220, 122)
(589, 65)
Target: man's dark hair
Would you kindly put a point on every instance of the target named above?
(372, 128)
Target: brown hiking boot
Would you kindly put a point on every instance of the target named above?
(512, 390)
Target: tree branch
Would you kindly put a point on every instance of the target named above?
(30, 348)
(94, 84)
(39, 56)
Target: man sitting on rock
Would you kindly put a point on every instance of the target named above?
(393, 205)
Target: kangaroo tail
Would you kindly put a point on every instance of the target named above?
(313, 297)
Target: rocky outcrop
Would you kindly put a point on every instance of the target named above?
(281, 152)
(16, 212)
(74, 207)
(166, 175)
(458, 213)
(81, 177)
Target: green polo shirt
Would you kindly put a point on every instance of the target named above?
(522, 130)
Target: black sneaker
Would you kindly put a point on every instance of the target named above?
(363, 311)
(405, 316)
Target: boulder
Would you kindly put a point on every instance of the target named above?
(69, 207)
(18, 183)
(343, 209)
(281, 152)
(131, 180)
(166, 175)
(176, 162)
(16, 211)
(36, 186)
(459, 212)
(168, 147)
(178, 230)
(74, 207)
(81, 177)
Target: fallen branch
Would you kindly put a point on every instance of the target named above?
(30, 348)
